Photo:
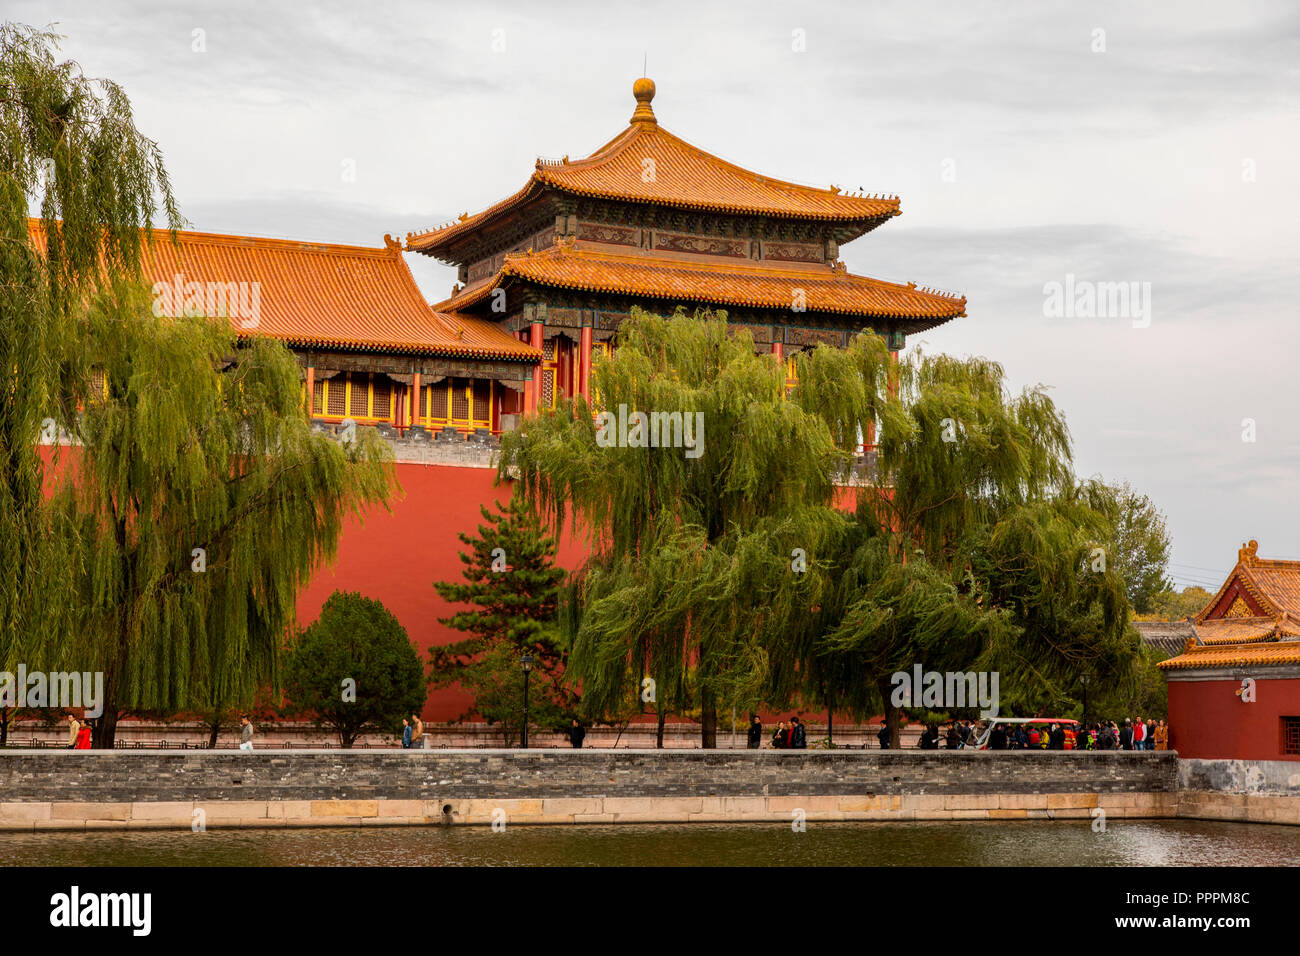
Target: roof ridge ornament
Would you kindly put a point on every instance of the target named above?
(644, 91)
(1248, 554)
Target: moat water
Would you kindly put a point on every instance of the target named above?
(1063, 843)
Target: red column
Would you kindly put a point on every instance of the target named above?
(535, 340)
(311, 388)
(415, 399)
(584, 363)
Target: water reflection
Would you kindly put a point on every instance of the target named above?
(1061, 843)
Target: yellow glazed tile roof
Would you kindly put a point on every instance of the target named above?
(1233, 655)
(1242, 630)
(647, 164)
(715, 281)
(313, 294)
(328, 296)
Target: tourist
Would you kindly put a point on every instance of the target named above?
(406, 734)
(577, 733)
(998, 738)
(781, 736)
(755, 739)
(952, 740)
(1151, 734)
(74, 727)
(84, 734)
(1056, 740)
(245, 733)
(930, 739)
(1161, 735)
(798, 734)
(1126, 735)
(417, 731)
(883, 736)
(1022, 737)
(1139, 735)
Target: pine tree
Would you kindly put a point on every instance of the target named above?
(512, 582)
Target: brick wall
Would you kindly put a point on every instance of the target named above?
(130, 776)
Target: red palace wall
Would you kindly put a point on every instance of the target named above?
(1208, 721)
(395, 556)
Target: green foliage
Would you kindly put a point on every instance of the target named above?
(68, 146)
(355, 638)
(1141, 548)
(1171, 605)
(184, 454)
(513, 584)
(690, 578)
(974, 542)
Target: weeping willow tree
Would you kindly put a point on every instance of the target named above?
(71, 154)
(693, 569)
(975, 546)
(199, 503)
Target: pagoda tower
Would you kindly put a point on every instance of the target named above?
(650, 220)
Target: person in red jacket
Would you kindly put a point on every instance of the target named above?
(83, 736)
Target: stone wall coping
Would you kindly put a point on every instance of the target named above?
(676, 753)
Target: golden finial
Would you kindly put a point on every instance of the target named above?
(1247, 554)
(644, 91)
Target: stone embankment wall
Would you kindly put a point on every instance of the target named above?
(149, 789)
(1258, 791)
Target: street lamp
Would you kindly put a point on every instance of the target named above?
(526, 662)
(1084, 679)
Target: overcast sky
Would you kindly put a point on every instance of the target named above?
(1115, 142)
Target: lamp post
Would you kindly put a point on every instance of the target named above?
(526, 662)
(1084, 679)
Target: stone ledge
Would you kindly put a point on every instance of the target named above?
(273, 814)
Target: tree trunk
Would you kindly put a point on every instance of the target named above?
(708, 721)
(4, 726)
(659, 733)
(105, 732)
(214, 729)
(892, 714)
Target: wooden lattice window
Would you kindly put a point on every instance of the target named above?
(1291, 735)
(337, 396)
(482, 400)
(359, 395)
(438, 402)
(460, 400)
(383, 398)
(318, 398)
(98, 385)
(550, 369)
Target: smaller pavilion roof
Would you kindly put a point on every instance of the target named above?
(1254, 618)
(328, 296)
